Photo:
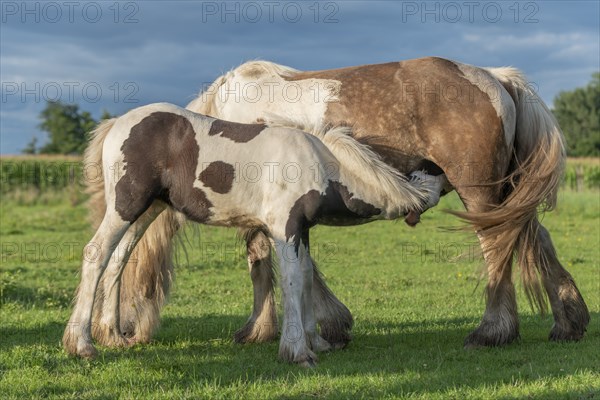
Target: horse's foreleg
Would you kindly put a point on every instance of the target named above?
(293, 345)
(108, 332)
(571, 315)
(262, 324)
(77, 338)
(333, 317)
(316, 341)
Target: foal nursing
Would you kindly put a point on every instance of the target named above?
(160, 156)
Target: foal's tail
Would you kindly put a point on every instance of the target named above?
(92, 161)
(531, 185)
(147, 276)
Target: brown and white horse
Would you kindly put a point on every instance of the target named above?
(162, 156)
(484, 128)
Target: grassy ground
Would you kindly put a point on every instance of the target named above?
(412, 300)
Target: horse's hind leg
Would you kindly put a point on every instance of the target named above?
(77, 338)
(262, 324)
(109, 332)
(334, 318)
(500, 323)
(147, 278)
(571, 315)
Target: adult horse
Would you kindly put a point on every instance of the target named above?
(484, 128)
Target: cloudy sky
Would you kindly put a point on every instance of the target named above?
(116, 56)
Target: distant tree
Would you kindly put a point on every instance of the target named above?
(106, 115)
(67, 128)
(31, 147)
(578, 113)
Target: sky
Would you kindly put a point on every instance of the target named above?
(115, 56)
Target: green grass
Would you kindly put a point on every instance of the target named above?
(412, 300)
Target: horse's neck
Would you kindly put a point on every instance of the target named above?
(246, 100)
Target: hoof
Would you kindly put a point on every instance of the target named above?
(118, 340)
(253, 332)
(486, 335)
(576, 318)
(78, 347)
(308, 360)
(309, 363)
(128, 329)
(337, 340)
(562, 335)
(297, 353)
(140, 320)
(110, 336)
(337, 333)
(69, 345)
(472, 345)
(87, 351)
(122, 341)
(321, 345)
(339, 346)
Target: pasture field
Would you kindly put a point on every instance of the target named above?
(413, 302)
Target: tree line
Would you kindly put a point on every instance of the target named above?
(577, 112)
(67, 127)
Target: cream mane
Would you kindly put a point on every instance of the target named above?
(205, 102)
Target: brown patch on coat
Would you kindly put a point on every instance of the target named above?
(161, 155)
(239, 133)
(218, 176)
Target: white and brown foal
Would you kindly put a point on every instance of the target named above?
(161, 156)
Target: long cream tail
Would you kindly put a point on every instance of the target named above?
(530, 187)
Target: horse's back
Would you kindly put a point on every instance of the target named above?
(425, 109)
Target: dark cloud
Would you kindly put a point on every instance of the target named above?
(165, 51)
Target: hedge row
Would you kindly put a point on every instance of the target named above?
(53, 173)
(582, 174)
(41, 173)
